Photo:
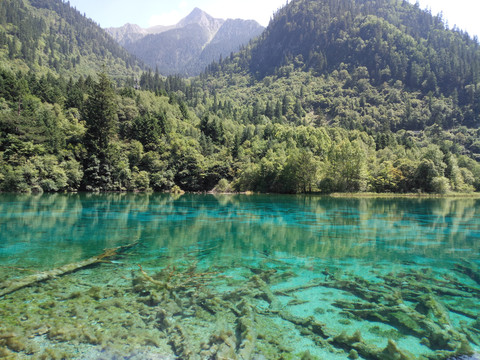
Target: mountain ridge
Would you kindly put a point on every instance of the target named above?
(393, 37)
(166, 48)
(46, 35)
(371, 48)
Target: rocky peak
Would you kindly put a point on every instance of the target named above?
(200, 17)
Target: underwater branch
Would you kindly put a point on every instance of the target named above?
(11, 286)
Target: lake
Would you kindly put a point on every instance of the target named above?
(240, 277)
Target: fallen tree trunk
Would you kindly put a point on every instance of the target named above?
(11, 286)
(469, 270)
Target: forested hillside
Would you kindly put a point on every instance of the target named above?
(383, 42)
(393, 39)
(50, 36)
(283, 123)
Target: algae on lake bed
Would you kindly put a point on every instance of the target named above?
(262, 308)
(238, 277)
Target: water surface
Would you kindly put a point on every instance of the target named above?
(287, 258)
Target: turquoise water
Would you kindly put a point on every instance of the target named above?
(348, 264)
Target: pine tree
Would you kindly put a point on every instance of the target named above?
(101, 120)
(100, 114)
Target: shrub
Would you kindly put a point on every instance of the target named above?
(223, 186)
(140, 181)
(441, 185)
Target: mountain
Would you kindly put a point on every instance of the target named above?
(129, 33)
(49, 35)
(197, 16)
(371, 48)
(222, 45)
(173, 51)
(334, 96)
(189, 46)
(394, 40)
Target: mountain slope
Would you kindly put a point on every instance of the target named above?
(170, 51)
(240, 30)
(189, 46)
(291, 126)
(127, 33)
(46, 35)
(394, 65)
(393, 39)
(199, 17)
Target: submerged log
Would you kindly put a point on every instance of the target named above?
(354, 343)
(361, 288)
(309, 326)
(178, 339)
(9, 287)
(180, 343)
(440, 335)
(222, 345)
(370, 352)
(437, 309)
(234, 345)
(471, 271)
(175, 280)
(248, 334)
(463, 312)
(413, 287)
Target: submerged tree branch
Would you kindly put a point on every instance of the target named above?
(11, 286)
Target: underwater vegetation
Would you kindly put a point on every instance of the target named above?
(189, 308)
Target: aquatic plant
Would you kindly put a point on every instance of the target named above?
(192, 311)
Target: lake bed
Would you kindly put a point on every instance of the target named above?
(241, 276)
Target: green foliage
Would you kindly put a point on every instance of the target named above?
(301, 173)
(223, 186)
(440, 185)
(140, 180)
(386, 178)
(391, 40)
(41, 173)
(50, 35)
(346, 169)
(100, 115)
(373, 113)
(137, 141)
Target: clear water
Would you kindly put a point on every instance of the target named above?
(419, 243)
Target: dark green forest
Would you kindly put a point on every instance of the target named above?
(50, 36)
(335, 96)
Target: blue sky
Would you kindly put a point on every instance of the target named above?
(168, 12)
(463, 13)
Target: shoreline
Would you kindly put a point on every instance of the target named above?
(475, 195)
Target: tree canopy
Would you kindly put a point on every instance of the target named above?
(392, 106)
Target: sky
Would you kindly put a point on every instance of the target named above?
(168, 12)
(146, 13)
